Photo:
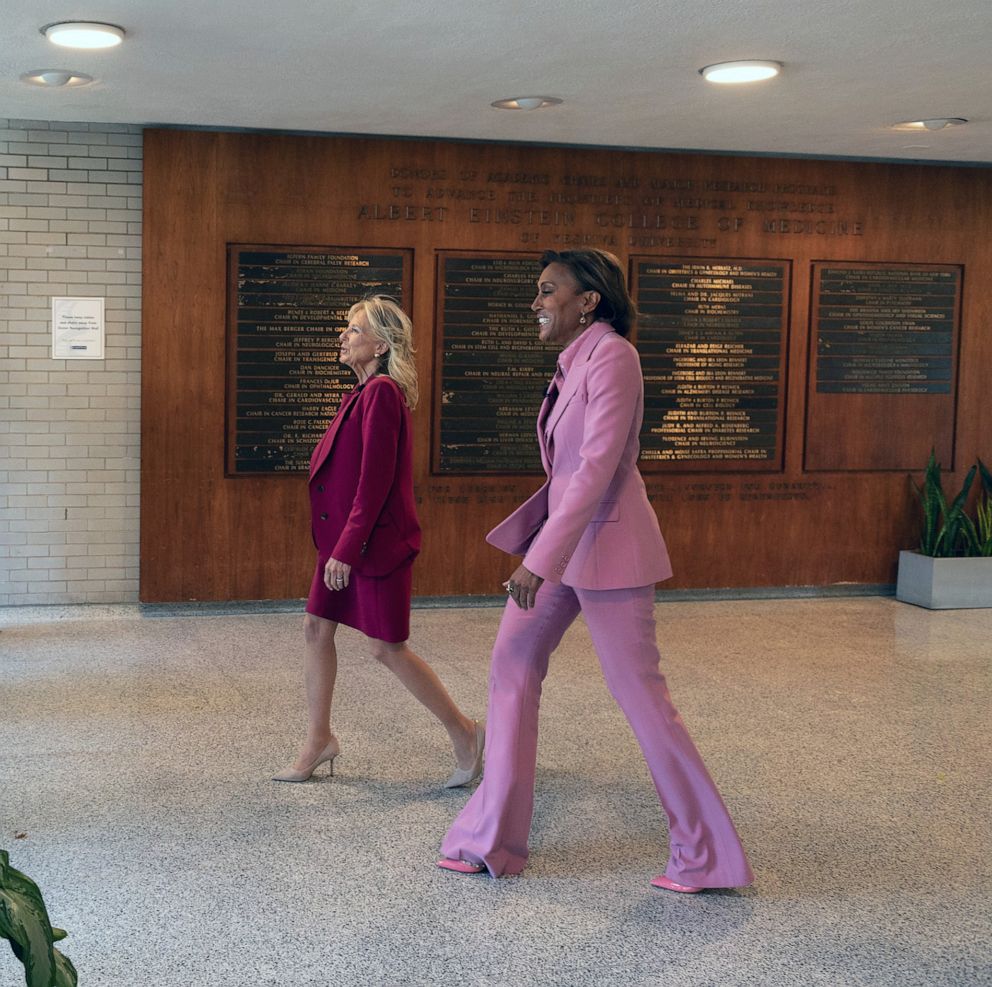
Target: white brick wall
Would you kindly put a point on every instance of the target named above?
(70, 224)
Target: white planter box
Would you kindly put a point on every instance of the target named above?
(944, 584)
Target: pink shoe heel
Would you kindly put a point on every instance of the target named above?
(669, 885)
(460, 866)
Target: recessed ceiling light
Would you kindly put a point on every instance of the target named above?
(934, 123)
(56, 78)
(83, 34)
(752, 70)
(526, 103)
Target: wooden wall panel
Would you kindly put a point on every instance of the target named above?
(205, 536)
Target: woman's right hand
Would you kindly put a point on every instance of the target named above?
(337, 575)
(523, 586)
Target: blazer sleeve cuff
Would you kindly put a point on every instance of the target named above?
(550, 569)
(347, 551)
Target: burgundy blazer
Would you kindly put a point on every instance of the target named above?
(361, 482)
(591, 524)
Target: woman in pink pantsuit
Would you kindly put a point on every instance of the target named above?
(366, 532)
(590, 543)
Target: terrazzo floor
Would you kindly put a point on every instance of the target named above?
(850, 738)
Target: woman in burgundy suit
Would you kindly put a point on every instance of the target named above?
(365, 528)
(590, 544)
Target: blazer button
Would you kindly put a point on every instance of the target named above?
(323, 517)
(320, 488)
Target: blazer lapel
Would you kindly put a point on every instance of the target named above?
(574, 378)
(567, 392)
(542, 442)
(325, 445)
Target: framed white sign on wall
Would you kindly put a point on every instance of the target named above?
(77, 328)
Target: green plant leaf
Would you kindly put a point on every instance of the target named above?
(970, 543)
(929, 496)
(983, 516)
(947, 529)
(986, 476)
(957, 505)
(24, 923)
(65, 972)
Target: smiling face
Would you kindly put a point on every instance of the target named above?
(559, 305)
(359, 348)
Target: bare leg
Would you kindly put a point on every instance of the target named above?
(424, 685)
(320, 669)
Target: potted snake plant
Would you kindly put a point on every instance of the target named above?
(953, 566)
(24, 923)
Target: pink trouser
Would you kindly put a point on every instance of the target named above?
(492, 829)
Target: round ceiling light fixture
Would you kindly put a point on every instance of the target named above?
(526, 103)
(83, 34)
(732, 73)
(56, 78)
(934, 123)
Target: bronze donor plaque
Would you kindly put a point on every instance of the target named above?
(493, 368)
(286, 307)
(710, 334)
(883, 371)
(885, 330)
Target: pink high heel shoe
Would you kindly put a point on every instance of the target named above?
(460, 866)
(669, 885)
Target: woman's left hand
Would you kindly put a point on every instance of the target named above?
(523, 586)
(336, 574)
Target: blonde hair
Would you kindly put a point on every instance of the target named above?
(389, 324)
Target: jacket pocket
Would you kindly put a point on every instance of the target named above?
(608, 510)
(385, 550)
(383, 531)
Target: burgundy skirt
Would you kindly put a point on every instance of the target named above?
(379, 607)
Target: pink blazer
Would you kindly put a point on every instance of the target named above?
(361, 482)
(591, 525)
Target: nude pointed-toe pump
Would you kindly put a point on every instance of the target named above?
(327, 755)
(465, 776)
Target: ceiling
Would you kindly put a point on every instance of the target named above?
(627, 72)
